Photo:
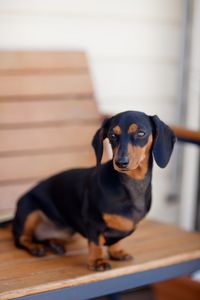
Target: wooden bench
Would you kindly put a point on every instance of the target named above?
(46, 102)
(47, 118)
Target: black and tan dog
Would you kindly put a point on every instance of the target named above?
(103, 203)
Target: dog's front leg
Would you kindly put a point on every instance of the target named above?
(96, 262)
(117, 253)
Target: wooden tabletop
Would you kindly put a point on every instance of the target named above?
(153, 245)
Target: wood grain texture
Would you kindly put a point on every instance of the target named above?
(45, 85)
(53, 137)
(41, 60)
(153, 245)
(55, 110)
(10, 193)
(11, 190)
(47, 118)
(37, 166)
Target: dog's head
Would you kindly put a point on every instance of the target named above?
(133, 135)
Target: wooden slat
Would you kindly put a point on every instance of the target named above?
(7, 214)
(10, 193)
(45, 85)
(41, 60)
(47, 117)
(22, 274)
(24, 112)
(42, 165)
(56, 137)
(186, 134)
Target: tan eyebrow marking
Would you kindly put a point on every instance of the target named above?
(132, 128)
(117, 130)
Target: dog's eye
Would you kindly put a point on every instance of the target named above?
(113, 136)
(140, 133)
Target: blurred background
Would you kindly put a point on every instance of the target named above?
(143, 55)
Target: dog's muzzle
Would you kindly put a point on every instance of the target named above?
(122, 162)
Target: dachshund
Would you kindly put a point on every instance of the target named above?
(103, 203)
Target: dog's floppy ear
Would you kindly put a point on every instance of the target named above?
(164, 140)
(98, 139)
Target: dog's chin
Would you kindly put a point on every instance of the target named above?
(125, 170)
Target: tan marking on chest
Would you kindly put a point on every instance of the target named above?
(118, 222)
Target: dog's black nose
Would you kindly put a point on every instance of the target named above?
(122, 162)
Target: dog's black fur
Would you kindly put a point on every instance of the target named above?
(80, 199)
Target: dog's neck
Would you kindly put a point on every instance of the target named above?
(138, 188)
(137, 182)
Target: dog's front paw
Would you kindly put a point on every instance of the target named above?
(120, 255)
(99, 264)
(38, 250)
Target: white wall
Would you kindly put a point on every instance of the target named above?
(190, 178)
(132, 46)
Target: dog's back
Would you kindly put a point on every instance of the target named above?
(59, 198)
